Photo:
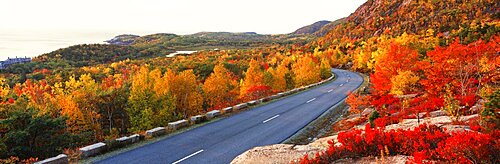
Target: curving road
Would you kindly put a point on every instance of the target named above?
(223, 140)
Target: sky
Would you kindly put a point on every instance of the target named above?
(170, 16)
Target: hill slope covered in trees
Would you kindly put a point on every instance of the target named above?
(421, 56)
(312, 28)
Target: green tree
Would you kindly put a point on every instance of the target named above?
(325, 69)
(30, 134)
(148, 108)
(489, 114)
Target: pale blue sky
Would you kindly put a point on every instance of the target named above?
(173, 16)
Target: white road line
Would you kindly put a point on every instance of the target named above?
(189, 156)
(270, 119)
(331, 90)
(311, 100)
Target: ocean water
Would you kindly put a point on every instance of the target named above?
(31, 43)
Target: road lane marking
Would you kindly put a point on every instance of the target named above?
(311, 100)
(189, 156)
(331, 90)
(270, 119)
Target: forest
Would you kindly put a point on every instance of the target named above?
(65, 110)
(448, 59)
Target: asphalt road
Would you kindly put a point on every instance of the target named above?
(223, 140)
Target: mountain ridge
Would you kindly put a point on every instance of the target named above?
(312, 28)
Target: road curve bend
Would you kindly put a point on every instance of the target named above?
(221, 141)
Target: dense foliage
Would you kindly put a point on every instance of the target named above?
(467, 19)
(72, 108)
(132, 47)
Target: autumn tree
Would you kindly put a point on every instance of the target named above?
(459, 70)
(4, 90)
(187, 95)
(38, 92)
(362, 57)
(306, 71)
(147, 108)
(75, 98)
(112, 100)
(397, 59)
(269, 77)
(218, 87)
(253, 77)
(280, 77)
(403, 82)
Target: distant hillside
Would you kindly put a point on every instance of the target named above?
(312, 28)
(395, 17)
(92, 54)
(207, 40)
(125, 39)
(328, 27)
(136, 47)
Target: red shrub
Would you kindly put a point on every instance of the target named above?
(424, 143)
(470, 147)
(257, 92)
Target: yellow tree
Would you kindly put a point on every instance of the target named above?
(161, 85)
(5, 93)
(4, 89)
(149, 105)
(140, 100)
(253, 77)
(188, 98)
(76, 99)
(306, 72)
(362, 56)
(279, 83)
(218, 86)
(403, 82)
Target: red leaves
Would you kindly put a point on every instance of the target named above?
(256, 92)
(420, 156)
(424, 143)
(470, 147)
(398, 58)
(468, 100)
(357, 102)
(381, 122)
(35, 91)
(458, 70)
(459, 66)
(265, 65)
(386, 103)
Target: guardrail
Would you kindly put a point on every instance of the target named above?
(60, 159)
(99, 148)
